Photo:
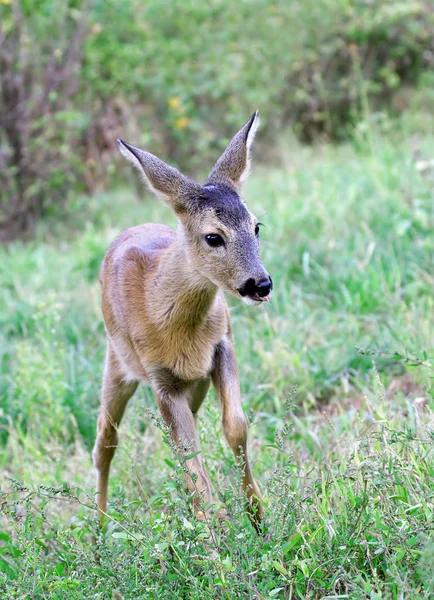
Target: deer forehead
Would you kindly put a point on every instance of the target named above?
(221, 208)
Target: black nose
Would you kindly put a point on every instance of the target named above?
(264, 287)
(252, 288)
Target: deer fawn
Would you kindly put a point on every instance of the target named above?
(166, 316)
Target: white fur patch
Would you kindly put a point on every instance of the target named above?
(249, 301)
(253, 130)
(250, 137)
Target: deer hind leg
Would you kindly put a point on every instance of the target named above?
(114, 397)
(179, 413)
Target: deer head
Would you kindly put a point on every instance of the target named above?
(219, 235)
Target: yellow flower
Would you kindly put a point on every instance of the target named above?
(175, 102)
(181, 123)
(5, 1)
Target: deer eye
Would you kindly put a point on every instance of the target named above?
(258, 225)
(214, 240)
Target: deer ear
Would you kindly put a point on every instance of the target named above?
(165, 181)
(232, 168)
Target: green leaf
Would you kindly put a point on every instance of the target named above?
(280, 568)
(124, 535)
(291, 543)
(193, 455)
(187, 524)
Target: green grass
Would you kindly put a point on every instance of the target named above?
(345, 462)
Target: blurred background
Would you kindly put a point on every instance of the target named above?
(179, 77)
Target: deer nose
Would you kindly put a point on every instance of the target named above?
(259, 288)
(264, 287)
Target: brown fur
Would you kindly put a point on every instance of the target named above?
(165, 313)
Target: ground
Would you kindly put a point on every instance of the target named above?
(336, 375)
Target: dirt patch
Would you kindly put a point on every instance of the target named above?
(404, 384)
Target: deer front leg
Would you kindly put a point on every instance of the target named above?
(178, 410)
(226, 382)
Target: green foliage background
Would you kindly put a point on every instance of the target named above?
(178, 77)
(300, 62)
(345, 462)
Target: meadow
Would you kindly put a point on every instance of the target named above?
(336, 375)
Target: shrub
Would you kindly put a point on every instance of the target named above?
(194, 71)
(185, 75)
(39, 124)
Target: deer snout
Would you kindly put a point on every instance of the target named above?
(257, 289)
(264, 287)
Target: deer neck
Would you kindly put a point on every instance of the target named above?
(183, 296)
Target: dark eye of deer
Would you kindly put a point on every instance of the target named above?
(257, 229)
(214, 240)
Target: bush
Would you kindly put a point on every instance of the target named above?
(185, 75)
(39, 123)
(196, 70)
